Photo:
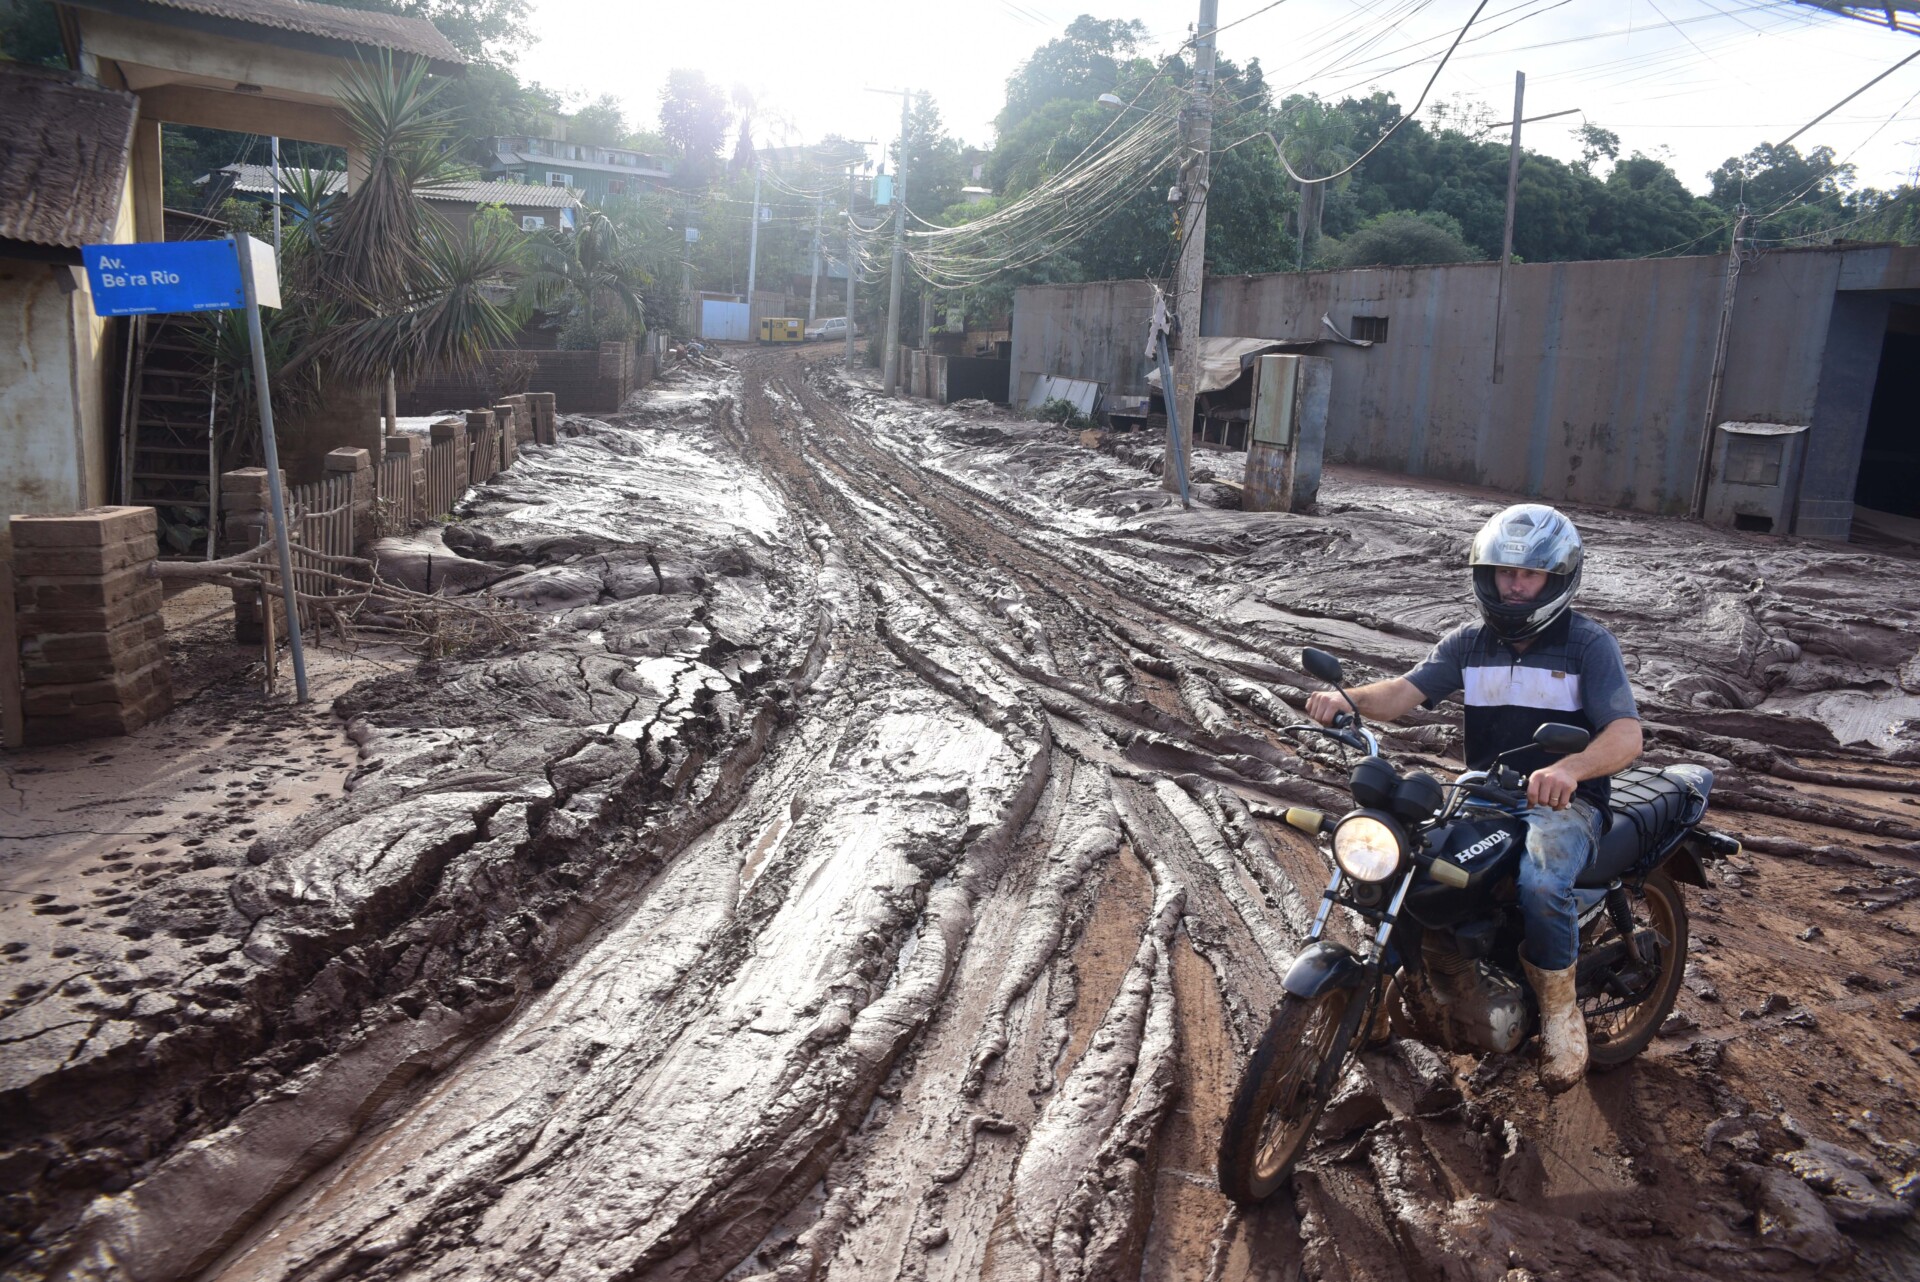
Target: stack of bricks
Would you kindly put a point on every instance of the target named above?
(246, 521)
(92, 640)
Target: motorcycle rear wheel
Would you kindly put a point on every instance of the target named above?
(1614, 1039)
(1275, 1107)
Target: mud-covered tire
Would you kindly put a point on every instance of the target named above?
(1274, 1109)
(1660, 903)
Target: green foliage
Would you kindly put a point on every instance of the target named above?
(489, 101)
(1076, 68)
(1403, 238)
(30, 33)
(934, 172)
(694, 115)
(594, 275)
(486, 31)
(1057, 409)
(246, 216)
(601, 122)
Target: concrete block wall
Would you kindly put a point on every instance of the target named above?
(92, 639)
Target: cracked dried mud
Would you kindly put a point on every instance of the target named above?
(871, 868)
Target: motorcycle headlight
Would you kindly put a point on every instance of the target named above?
(1368, 847)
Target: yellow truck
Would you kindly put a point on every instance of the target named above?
(781, 329)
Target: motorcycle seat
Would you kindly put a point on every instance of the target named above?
(1648, 806)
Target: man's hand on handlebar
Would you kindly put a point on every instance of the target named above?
(1324, 705)
(1551, 786)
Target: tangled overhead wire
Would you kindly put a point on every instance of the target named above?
(1041, 222)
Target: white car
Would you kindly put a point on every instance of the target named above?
(832, 327)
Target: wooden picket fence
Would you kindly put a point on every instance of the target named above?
(321, 520)
(396, 512)
(484, 460)
(443, 481)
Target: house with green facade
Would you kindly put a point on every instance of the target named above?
(597, 173)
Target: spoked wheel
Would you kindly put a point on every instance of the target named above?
(1276, 1106)
(1624, 1001)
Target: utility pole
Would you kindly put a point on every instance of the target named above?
(753, 248)
(813, 285)
(1730, 286)
(853, 270)
(1506, 239)
(278, 188)
(890, 368)
(1193, 248)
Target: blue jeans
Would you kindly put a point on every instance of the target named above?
(1560, 845)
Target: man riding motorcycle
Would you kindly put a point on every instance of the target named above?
(1531, 659)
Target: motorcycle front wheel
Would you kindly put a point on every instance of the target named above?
(1276, 1105)
(1621, 1024)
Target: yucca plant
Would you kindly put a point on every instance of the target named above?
(405, 291)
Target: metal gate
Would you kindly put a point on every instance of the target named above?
(726, 322)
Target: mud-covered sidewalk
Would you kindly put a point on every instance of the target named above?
(869, 867)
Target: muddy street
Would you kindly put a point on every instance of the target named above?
(872, 866)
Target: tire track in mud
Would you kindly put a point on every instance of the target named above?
(775, 1025)
(1067, 631)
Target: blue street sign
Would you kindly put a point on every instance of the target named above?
(164, 276)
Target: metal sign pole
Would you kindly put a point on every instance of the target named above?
(272, 452)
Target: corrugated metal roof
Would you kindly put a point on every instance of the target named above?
(543, 161)
(63, 156)
(259, 178)
(524, 195)
(353, 26)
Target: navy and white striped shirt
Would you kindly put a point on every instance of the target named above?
(1572, 674)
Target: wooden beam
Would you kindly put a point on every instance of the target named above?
(245, 113)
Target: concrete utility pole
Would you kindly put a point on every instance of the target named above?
(753, 248)
(1193, 244)
(853, 271)
(1730, 286)
(890, 368)
(813, 284)
(1506, 239)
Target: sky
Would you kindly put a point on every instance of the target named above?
(1693, 81)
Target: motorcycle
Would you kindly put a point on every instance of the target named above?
(1432, 869)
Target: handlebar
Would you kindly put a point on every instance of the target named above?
(1344, 731)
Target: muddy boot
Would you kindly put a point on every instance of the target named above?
(1563, 1029)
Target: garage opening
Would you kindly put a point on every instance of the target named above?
(1887, 494)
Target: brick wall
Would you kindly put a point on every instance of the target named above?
(580, 382)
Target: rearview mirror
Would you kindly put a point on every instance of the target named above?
(1561, 739)
(1319, 663)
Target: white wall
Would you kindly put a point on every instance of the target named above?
(53, 399)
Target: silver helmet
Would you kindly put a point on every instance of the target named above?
(1526, 536)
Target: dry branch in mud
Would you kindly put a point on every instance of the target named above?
(358, 602)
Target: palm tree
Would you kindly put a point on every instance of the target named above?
(596, 271)
(1315, 143)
